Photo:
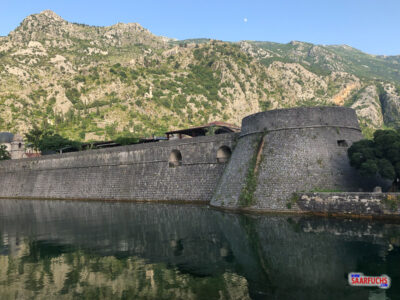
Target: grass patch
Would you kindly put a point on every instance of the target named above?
(392, 202)
(292, 200)
(319, 162)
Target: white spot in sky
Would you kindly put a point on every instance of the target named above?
(245, 20)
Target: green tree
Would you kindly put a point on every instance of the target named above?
(34, 136)
(47, 140)
(378, 156)
(73, 95)
(4, 154)
(126, 140)
(55, 142)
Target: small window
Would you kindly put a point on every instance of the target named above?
(223, 154)
(175, 159)
(19, 145)
(342, 143)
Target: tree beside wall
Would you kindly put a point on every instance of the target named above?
(379, 156)
(4, 154)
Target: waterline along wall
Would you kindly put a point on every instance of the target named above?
(277, 153)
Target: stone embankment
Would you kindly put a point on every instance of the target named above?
(349, 204)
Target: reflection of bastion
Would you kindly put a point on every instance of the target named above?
(277, 153)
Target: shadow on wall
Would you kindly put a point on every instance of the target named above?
(223, 154)
(175, 158)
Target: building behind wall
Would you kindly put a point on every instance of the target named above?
(14, 143)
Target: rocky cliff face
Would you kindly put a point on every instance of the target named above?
(368, 107)
(390, 101)
(89, 83)
(49, 27)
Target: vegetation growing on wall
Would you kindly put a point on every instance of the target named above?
(246, 197)
(392, 202)
(292, 200)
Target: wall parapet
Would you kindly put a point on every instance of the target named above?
(302, 127)
(147, 153)
(300, 117)
(351, 203)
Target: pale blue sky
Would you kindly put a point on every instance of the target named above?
(369, 25)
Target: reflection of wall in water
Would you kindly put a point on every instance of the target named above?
(277, 256)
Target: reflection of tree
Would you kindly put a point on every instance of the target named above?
(370, 263)
(393, 268)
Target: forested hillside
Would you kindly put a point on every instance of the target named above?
(95, 83)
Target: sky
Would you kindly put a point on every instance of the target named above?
(372, 26)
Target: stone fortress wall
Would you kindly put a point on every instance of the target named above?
(278, 153)
(144, 172)
(282, 152)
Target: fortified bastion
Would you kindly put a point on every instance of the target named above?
(276, 154)
(286, 151)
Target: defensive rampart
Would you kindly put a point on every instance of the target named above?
(281, 152)
(278, 154)
(175, 170)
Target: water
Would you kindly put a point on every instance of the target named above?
(95, 250)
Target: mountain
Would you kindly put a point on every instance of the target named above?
(94, 83)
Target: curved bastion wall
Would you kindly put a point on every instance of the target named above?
(144, 172)
(282, 152)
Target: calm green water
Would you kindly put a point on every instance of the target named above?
(94, 250)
